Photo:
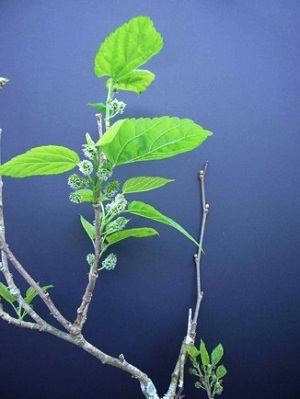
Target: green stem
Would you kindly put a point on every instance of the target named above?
(108, 114)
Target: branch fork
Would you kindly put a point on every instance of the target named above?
(74, 330)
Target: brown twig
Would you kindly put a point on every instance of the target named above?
(197, 257)
(42, 294)
(177, 380)
(93, 275)
(17, 322)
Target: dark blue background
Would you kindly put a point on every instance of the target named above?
(233, 67)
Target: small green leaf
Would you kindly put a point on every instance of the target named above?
(88, 227)
(221, 371)
(144, 183)
(137, 81)
(85, 194)
(127, 48)
(147, 211)
(99, 106)
(143, 139)
(217, 354)
(5, 294)
(192, 351)
(204, 354)
(137, 232)
(89, 140)
(198, 385)
(45, 160)
(31, 293)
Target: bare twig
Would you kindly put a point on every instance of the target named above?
(17, 322)
(44, 295)
(197, 257)
(100, 134)
(99, 124)
(177, 379)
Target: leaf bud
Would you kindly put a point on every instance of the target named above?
(117, 107)
(193, 371)
(90, 258)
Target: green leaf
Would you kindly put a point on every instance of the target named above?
(45, 160)
(143, 183)
(192, 351)
(128, 47)
(89, 140)
(85, 194)
(204, 354)
(221, 371)
(31, 293)
(217, 354)
(88, 227)
(5, 294)
(137, 81)
(147, 211)
(99, 106)
(137, 232)
(143, 139)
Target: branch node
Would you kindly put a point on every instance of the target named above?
(122, 358)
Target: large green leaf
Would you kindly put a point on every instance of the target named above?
(45, 160)
(144, 183)
(143, 139)
(136, 81)
(5, 294)
(138, 232)
(127, 48)
(147, 211)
